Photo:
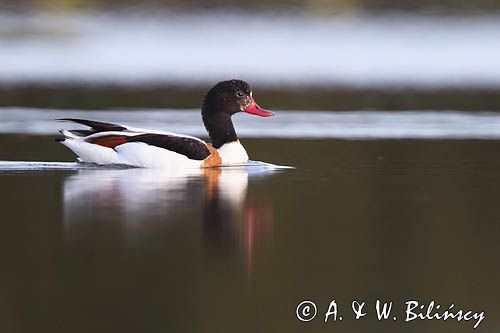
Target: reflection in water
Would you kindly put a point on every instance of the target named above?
(142, 203)
(230, 217)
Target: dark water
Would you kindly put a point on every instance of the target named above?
(236, 250)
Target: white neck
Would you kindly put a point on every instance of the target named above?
(233, 153)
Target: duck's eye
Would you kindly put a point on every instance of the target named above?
(240, 94)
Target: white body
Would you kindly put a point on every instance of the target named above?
(141, 154)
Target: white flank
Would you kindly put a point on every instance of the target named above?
(143, 155)
(91, 153)
(137, 154)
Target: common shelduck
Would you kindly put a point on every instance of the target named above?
(107, 143)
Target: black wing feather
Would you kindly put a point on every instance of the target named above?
(82, 133)
(191, 148)
(96, 125)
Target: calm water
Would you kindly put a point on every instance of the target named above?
(237, 249)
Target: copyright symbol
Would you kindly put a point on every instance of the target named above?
(306, 311)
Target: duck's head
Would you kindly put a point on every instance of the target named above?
(221, 102)
(230, 97)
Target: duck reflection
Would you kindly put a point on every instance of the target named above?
(135, 207)
(230, 216)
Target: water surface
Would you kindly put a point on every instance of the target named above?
(423, 124)
(231, 250)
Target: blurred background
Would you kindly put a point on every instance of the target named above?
(300, 54)
(388, 110)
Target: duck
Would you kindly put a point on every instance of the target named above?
(114, 144)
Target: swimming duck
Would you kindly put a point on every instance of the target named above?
(107, 143)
